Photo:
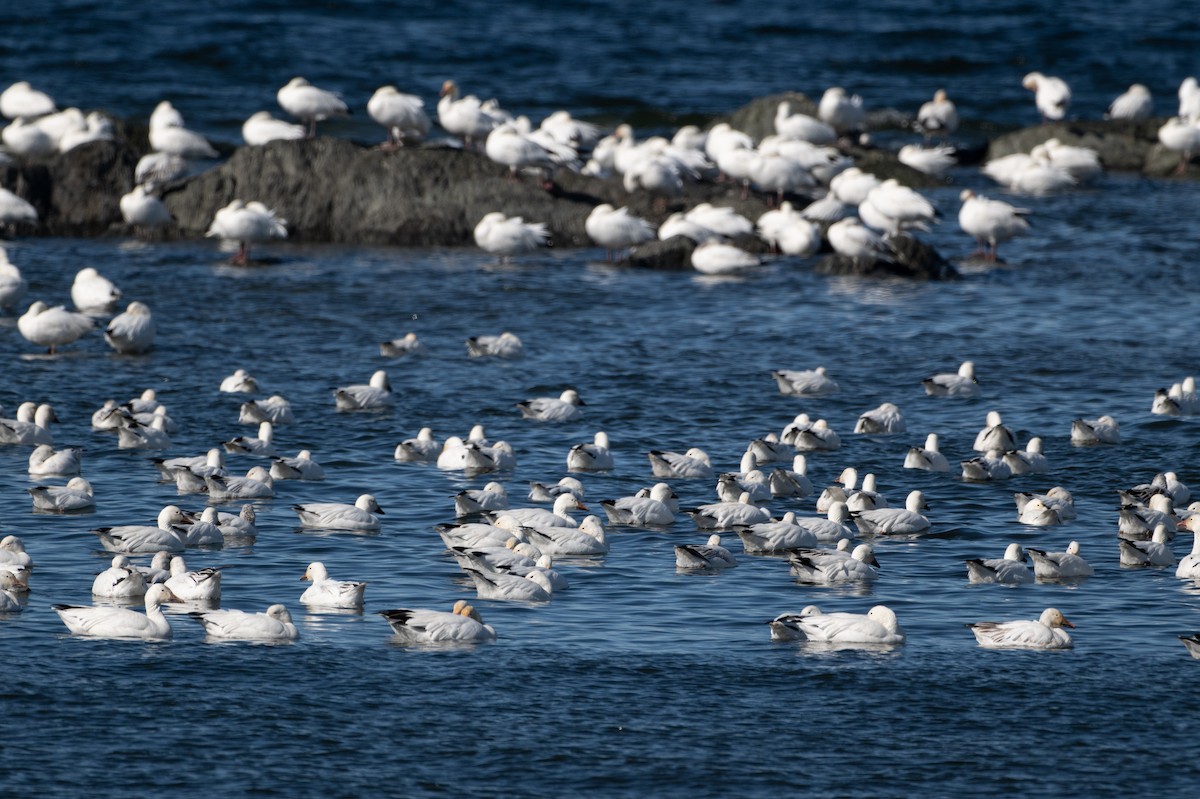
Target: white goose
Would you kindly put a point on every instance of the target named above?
(776, 536)
(593, 457)
(376, 395)
(492, 497)
(563, 408)
(504, 345)
(1087, 432)
(1059, 565)
(990, 222)
(885, 419)
(894, 521)
(257, 484)
(819, 568)
(878, 626)
(716, 258)
(507, 236)
(32, 425)
(422, 448)
(1155, 552)
(402, 114)
(557, 541)
(240, 382)
(273, 625)
(1051, 95)
(466, 117)
(929, 457)
(246, 223)
(710, 555)
(262, 445)
(959, 384)
(301, 467)
(533, 587)
(851, 238)
(1135, 103)
(339, 516)
(21, 100)
(639, 510)
(728, 515)
(143, 210)
(994, 435)
(274, 409)
(692, 464)
(52, 327)
(203, 585)
(135, 539)
(261, 128)
(330, 593)
(13, 284)
(408, 344)
(119, 581)
(792, 482)
(46, 461)
(560, 516)
(168, 135)
(12, 552)
(938, 116)
(309, 104)
(1189, 564)
(616, 229)
(120, 623)
(420, 626)
(132, 331)
(806, 382)
(1009, 570)
(74, 497)
(1045, 632)
(1029, 460)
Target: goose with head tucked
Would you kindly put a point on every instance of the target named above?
(806, 382)
(119, 581)
(202, 585)
(46, 461)
(504, 345)
(990, 222)
(688, 465)
(271, 626)
(544, 492)
(403, 115)
(131, 332)
(1088, 432)
(13, 284)
(1029, 460)
(329, 593)
(422, 448)
(1058, 499)
(616, 229)
(10, 591)
(557, 541)
(1139, 521)
(591, 457)
(135, 435)
(32, 425)
(301, 467)
(310, 104)
(358, 517)
(728, 515)
(246, 223)
(1059, 565)
(121, 623)
(75, 497)
(492, 497)
(1009, 570)
(820, 568)
(563, 408)
(52, 327)
(257, 484)
(376, 395)
(274, 409)
(773, 535)
(710, 555)
(988, 466)
(1052, 95)
(261, 127)
(1135, 103)
(929, 457)
(793, 482)
(959, 384)
(509, 236)
(884, 420)
(421, 626)
(240, 382)
(1045, 632)
(408, 344)
(1037, 513)
(12, 552)
(262, 445)
(994, 435)
(92, 293)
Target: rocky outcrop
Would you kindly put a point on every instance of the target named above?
(1122, 145)
(76, 193)
(914, 260)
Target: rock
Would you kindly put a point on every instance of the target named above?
(757, 118)
(915, 260)
(1122, 145)
(675, 253)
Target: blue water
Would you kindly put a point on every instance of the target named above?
(638, 680)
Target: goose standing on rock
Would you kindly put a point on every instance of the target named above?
(845, 114)
(262, 128)
(309, 104)
(246, 223)
(402, 114)
(938, 117)
(168, 135)
(52, 327)
(1135, 103)
(466, 117)
(851, 238)
(21, 100)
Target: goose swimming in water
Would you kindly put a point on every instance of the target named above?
(563, 408)
(1009, 570)
(136, 539)
(339, 516)
(710, 555)
(420, 626)
(74, 497)
(1045, 632)
(120, 623)
(273, 625)
(376, 395)
(330, 593)
(1059, 565)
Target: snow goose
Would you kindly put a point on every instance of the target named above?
(842, 113)
(616, 229)
(132, 331)
(894, 521)
(119, 581)
(505, 345)
(692, 464)
(271, 626)
(1165, 402)
(563, 408)
(74, 497)
(240, 382)
(1189, 564)
(677, 224)
(639, 511)
(1038, 176)
(155, 169)
(340, 516)
(938, 117)
(1135, 103)
(588, 539)
(120, 623)
(143, 210)
(301, 467)
(32, 425)
(26, 139)
(202, 585)
(891, 207)
(1045, 632)
(770, 223)
(806, 382)
(813, 437)
(878, 626)
(1051, 95)
(560, 516)
(1037, 513)
(467, 455)
(989, 465)
(728, 515)
(15, 210)
(532, 587)
(929, 457)
(934, 161)
(1057, 498)
(257, 484)
(781, 535)
(422, 448)
(46, 461)
(802, 126)
(884, 420)
(1029, 460)
(1059, 565)
(240, 526)
(818, 568)
(1189, 99)
(408, 344)
(136, 539)
(593, 457)
(491, 497)
(1081, 163)
(466, 117)
(548, 492)
(1155, 552)
(403, 115)
(1139, 521)
(330, 593)
(715, 258)
(510, 144)
(800, 238)
(867, 497)
(420, 626)
(496, 557)
(792, 482)
(710, 555)
(565, 129)
(261, 128)
(52, 327)
(309, 104)
(960, 384)
(97, 127)
(786, 626)
(274, 409)
(246, 223)
(12, 552)
(135, 435)
(721, 220)
(1087, 432)
(12, 283)
(730, 486)
(205, 531)
(168, 134)
(994, 435)
(262, 445)
(840, 490)
(509, 236)
(851, 238)
(1009, 570)
(375, 395)
(21, 100)
(10, 589)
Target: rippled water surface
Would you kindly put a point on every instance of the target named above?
(639, 680)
